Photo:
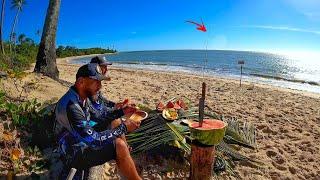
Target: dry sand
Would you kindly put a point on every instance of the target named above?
(287, 121)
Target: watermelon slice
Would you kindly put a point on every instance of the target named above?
(182, 104)
(160, 106)
(176, 106)
(170, 104)
(126, 101)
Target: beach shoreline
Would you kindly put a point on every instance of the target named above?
(225, 78)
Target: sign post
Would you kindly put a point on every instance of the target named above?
(241, 62)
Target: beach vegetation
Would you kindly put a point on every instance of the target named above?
(19, 122)
(15, 4)
(25, 50)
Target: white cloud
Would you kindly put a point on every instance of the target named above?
(282, 28)
(309, 8)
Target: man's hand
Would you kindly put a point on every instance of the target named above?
(129, 110)
(123, 104)
(131, 125)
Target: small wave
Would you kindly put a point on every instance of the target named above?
(143, 63)
(285, 79)
(159, 64)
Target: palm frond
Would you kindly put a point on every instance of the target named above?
(153, 132)
(179, 137)
(245, 135)
(230, 140)
(228, 151)
(223, 164)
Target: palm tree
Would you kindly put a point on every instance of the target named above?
(1, 26)
(38, 34)
(16, 4)
(46, 58)
(21, 38)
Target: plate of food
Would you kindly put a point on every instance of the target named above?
(170, 114)
(138, 116)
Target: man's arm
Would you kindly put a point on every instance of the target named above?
(101, 113)
(85, 130)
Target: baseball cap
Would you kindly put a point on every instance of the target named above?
(101, 60)
(91, 70)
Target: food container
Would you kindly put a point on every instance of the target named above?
(138, 116)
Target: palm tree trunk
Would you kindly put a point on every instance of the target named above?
(46, 58)
(13, 27)
(1, 26)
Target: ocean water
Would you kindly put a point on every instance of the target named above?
(295, 73)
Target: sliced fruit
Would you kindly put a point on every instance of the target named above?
(176, 106)
(182, 104)
(170, 104)
(126, 101)
(160, 106)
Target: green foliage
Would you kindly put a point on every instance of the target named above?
(25, 112)
(20, 58)
(73, 51)
(34, 161)
(2, 96)
(21, 114)
(24, 52)
(154, 132)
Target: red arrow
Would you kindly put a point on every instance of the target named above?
(200, 27)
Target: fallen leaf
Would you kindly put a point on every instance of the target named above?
(15, 154)
(7, 136)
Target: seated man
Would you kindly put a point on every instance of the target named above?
(103, 109)
(79, 139)
(103, 63)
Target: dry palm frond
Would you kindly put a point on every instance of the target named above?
(228, 151)
(245, 136)
(223, 164)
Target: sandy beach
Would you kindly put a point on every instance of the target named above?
(287, 121)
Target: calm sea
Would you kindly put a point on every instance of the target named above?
(301, 74)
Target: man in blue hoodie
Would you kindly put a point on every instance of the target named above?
(79, 138)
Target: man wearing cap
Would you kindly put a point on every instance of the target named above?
(79, 137)
(100, 103)
(102, 108)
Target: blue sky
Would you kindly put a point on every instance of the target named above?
(260, 25)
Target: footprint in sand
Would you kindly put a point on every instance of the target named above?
(277, 160)
(261, 126)
(268, 130)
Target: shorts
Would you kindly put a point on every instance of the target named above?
(90, 157)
